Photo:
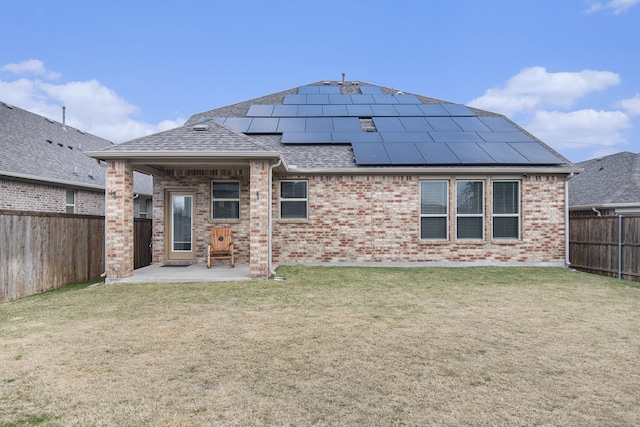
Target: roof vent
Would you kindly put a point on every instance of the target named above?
(399, 92)
(49, 141)
(49, 120)
(7, 105)
(60, 145)
(326, 83)
(201, 128)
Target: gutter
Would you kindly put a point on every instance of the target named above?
(44, 180)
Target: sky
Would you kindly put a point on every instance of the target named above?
(568, 71)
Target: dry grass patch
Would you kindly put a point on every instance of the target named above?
(328, 346)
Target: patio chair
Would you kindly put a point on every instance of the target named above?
(221, 246)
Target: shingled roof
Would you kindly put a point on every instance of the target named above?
(446, 135)
(609, 180)
(36, 148)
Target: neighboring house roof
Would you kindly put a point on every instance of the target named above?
(610, 181)
(36, 148)
(351, 127)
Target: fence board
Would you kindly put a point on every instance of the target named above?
(595, 245)
(41, 251)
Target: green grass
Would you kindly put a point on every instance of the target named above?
(328, 346)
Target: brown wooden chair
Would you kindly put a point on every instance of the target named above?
(221, 246)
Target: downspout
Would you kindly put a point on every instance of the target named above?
(596, 211)
(270, 217)
(566, 221)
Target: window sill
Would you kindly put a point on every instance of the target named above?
(293, 221)
(226, 221)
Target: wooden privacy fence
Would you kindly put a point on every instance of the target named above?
(41, 251)
(606, 245)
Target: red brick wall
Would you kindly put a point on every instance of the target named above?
(361, 219)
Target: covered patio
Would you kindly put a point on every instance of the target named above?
(184, 274)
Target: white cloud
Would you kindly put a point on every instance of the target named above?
(30, 66)
(617, 6)
(579, 129)
(631, 105)
(90, 106)
(535, 88)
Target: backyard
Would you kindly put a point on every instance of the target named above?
(328, 346)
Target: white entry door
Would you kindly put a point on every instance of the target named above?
(180, 226)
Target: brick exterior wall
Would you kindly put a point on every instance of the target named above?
(373, 219)
(259, 231)
(119, 220)
(365, 219)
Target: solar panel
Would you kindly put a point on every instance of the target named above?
(310, 111)
(347, 124)
(400, 137)
(504, 153)
(240, 124)
(334, 110)
(306, 138)
(370, 154)
(458, 110)
(404, 154)
(285, 111)
(407, 99)
(291, 124)
(470, 124)
(505, 137)
(319, 124)
(455, 137)
(388, 124)
(433, 110)
(333, 90)
(438, 154)
(498, 124)
(362, 99)
(409, 110)
(263, 125)
(384, 99)
(370, 90)
(536, 153)
(317, 99)
(470, 153)
(340, 99)
(384, 110)
(295, 99)
(443, 124)
(415, 124)
(260, 111)
(359, 111)
(368, 137)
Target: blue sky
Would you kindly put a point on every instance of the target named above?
(568, 71)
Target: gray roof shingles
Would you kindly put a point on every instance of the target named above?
(41, 149)
(607, 180)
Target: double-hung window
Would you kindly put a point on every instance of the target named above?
(70, 202)
(293, 199)
(225, 200)
(470, 210)
(506, 210)
(434, 210)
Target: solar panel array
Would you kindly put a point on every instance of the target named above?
(405, 131)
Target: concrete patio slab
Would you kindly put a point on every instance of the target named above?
(191, 273)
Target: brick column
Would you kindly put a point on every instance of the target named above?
(259, 223)
(119, 220)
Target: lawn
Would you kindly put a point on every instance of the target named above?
(328, 346)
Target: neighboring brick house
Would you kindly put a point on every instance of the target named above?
(345, 173)
(608, 185)
(43, 167)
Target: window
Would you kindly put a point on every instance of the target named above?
(70, 202)
(470, 210)
(434, 210)
(144, 208)
(506, 210)
(293, 199)
(225, 200)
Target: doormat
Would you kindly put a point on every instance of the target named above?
(176, 265)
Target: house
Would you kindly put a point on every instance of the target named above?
(43, 167)
(344, 172)
(608, 185)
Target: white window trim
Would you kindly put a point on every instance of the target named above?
(70, 205)
(214, 199)
(445, 215)
(288, 199)
(480, 215)
(516, 215)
